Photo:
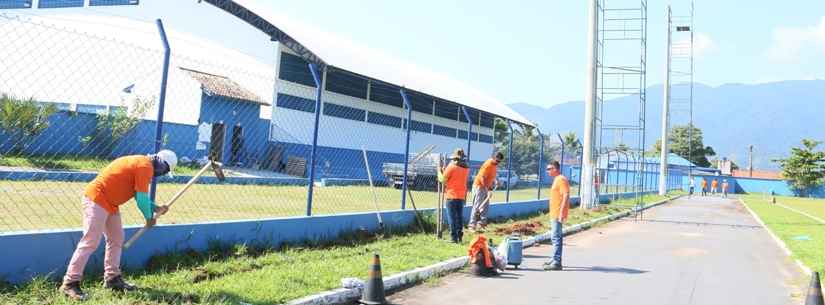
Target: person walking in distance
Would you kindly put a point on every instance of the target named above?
(454, 179)
(125, 178)
(690, 186)
(713, 186)
(559, 208)
(704, 186)
(725, 188)
(483, 183)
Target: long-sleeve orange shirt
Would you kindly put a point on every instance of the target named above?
(486, 174)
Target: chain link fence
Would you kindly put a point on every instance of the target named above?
(76, 96)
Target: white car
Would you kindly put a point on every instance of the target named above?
(501, 177)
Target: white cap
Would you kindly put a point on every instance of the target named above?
(170, 158)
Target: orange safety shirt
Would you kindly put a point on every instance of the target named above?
(560, 187)
(480, 244)
(704, 183)
(119, 182)
(714, 184)
(455, 181)
(486, 174)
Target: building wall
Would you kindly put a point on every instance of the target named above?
(234, 113)
(297, 126)
(63, 138)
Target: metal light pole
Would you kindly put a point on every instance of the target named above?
(663, 162)
(586, 185)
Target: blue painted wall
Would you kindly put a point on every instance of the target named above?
(744, 185)
(62, 138)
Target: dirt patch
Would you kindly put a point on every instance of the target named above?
(523, 228)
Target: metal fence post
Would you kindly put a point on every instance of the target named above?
(316, 76)
(406, 148)
(162, 100)
(470, 131)
(509, 160)
(581, 158)
(607, 179)
(561, 158)
(541, 160)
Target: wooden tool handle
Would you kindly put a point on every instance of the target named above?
(168, 204)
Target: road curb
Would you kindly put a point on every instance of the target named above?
(403, 279)
(776, 239)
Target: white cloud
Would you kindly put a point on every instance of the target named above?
(792, 44)
(702, 45)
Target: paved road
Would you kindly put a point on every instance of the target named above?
(692, 251)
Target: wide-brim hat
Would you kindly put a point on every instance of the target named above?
(457, 154)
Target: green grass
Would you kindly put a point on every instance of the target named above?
(787, 225)
(260, 275)
(36, 205)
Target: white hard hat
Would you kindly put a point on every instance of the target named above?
(169, 157)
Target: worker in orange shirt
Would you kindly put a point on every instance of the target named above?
(713, 185)
(704, 186)
(559, 208)
(454, 179)
(125, 178)
(483, 184)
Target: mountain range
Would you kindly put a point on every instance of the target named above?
(773, 117)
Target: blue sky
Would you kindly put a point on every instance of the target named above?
(527, 51)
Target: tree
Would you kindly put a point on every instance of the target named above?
(525, 156)
(680, 144)
(23, 120)
(572, 144)
(114, 124)
(805, 168)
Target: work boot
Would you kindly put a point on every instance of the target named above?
(552, 266)
(72, 290)
(118, 284)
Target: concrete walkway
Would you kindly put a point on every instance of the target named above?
(701, 250)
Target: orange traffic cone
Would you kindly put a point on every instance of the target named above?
(815, 292)
(374, 290)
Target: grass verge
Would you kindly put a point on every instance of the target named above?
(804, 236)
(261, 275)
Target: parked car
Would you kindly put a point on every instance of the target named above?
(420, 175)
(501, 176)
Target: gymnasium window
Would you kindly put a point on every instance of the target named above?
(344, 112)
(383, 119)
(295, 69)
(346, 84)
(444, 131)
(295, 103)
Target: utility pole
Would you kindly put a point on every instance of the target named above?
(588, 164)
(663, 162)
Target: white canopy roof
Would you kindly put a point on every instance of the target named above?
(348, 55)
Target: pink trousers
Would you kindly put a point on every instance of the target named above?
(97, 222)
